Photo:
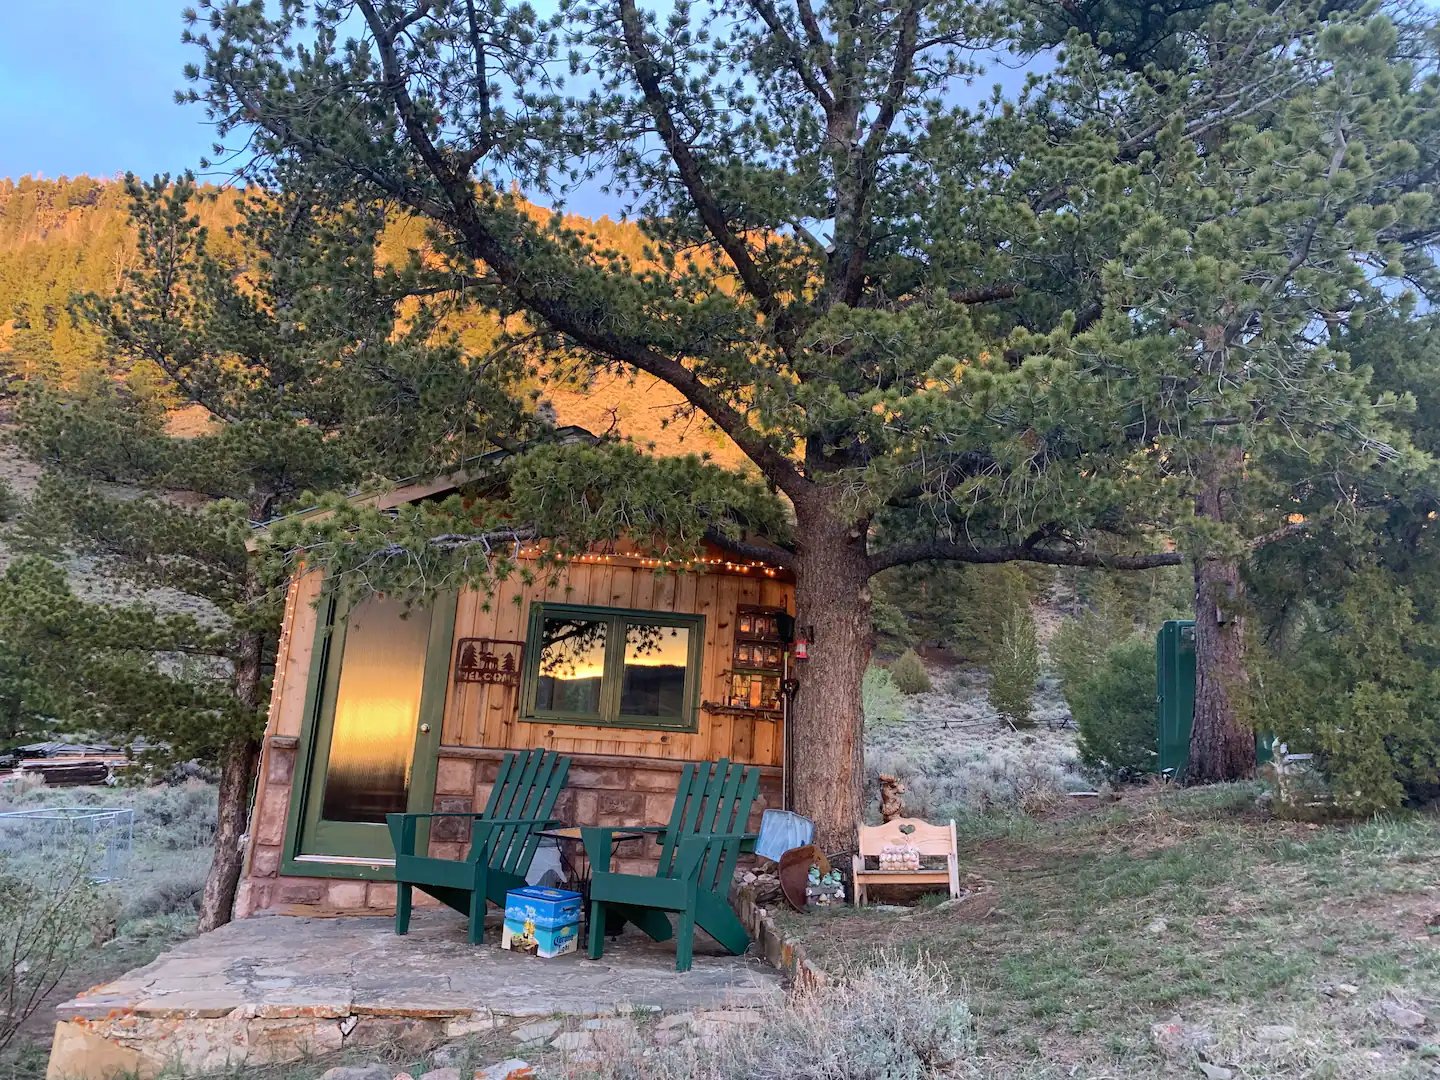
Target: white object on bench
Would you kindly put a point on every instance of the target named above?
(930, 839)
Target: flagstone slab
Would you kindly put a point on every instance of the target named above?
(277, 988)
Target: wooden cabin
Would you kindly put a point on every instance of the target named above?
(629, 667)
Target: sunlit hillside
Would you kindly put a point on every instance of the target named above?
(68, 236)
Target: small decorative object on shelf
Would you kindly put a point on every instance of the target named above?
(758, 660)
(823, 889)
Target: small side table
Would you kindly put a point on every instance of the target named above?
(581, 882)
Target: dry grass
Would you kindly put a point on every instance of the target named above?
(1082, 934)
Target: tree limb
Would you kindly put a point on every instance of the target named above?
(482, 243)
(946, 551)
(648, 76)
(798, 62)
(763, 552)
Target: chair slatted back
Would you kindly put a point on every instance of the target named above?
(712, 798)
(524, 788)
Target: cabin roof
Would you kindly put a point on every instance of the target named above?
(415, 488)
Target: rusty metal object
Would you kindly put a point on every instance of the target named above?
(794, 874)
(477, 661)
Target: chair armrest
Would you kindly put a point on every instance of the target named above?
(516, 821)
(599, 841)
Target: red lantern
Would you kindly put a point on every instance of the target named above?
(801, 647)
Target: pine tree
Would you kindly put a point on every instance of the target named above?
(316, 368)
(1015, 667)
(975, 335)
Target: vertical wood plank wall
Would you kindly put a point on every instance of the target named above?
(478, 715)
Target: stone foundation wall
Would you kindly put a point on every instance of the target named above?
(600, 790)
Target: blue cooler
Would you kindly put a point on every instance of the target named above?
(543, 921)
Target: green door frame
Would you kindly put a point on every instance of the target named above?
(369, 855)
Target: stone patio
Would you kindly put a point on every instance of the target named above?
(279, 988)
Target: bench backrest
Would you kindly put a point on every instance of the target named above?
(524, 788)
(930, 839)
(713, 797)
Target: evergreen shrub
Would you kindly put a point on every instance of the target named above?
(909, 674)
(1014, 667)
(880, 698)
(1360, 690)
(1113, 702)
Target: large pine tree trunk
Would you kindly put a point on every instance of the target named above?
(237, 772)
(238, 762)
(832, 594)
(1222, 746)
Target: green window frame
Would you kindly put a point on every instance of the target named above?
(609, 712)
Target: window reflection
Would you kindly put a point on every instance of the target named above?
(655, 661)
(572, 665)
(377, 706)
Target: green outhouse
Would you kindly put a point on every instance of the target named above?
(1175, 696)
(1175, 691)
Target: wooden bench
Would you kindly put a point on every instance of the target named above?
(932, 840)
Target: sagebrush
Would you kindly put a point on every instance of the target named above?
(894, 1020)
(48, 913)
(909, 674)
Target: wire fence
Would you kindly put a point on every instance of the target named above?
(99, 838)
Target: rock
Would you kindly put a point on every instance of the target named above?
(571, 1041)
(1399, 1014)
(1159, 926)
(607, 1023)
(404, 1076)
(1273, 1033)
(441, 1074)
(1174, 1037)
(673, 1036)
(449, 1056)
(1216, 1072)
(78, 1054)
(373, 1071)
(1347, 989)
(472, 1025)
(347, 1025)
(512, 1069)
(538, 1031)
(674, 1020)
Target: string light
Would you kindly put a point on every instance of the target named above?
(729, 565)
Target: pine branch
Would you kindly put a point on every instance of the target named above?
(947, 551)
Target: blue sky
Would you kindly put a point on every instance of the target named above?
(87, 86)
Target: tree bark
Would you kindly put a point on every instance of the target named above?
(1222, 746)
(238, 762)
(832, 594)
(237, 771)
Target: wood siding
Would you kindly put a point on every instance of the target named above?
(479, 715)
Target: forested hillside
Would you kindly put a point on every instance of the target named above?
(62, 237)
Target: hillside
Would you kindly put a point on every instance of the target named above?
(67, 236)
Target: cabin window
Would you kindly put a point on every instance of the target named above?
(612, 667)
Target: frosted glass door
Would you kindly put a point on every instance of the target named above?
(377, 726)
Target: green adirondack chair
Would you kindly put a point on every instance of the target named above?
(503, 841)
(699, 849)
